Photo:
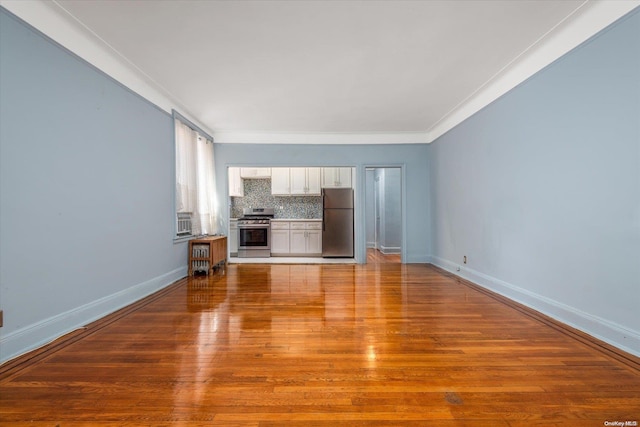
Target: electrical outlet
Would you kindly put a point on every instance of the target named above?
(464, 259)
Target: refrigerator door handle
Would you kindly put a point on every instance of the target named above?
(323, 229)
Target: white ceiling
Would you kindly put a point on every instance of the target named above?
(321, 66)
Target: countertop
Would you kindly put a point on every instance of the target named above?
(288, 219)
(297, 219)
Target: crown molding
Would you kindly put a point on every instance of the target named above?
(591, 18)
(237, 137)
(52, 20)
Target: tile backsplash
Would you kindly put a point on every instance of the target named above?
(257, 194)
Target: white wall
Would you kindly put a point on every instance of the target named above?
(380, 197)
(370, 209)
(86, 178)
(392, 210)
(541, 190)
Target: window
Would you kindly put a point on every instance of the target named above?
(196, 211)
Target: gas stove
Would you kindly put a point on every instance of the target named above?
(254, 233)
(256, 216)
(244, 221)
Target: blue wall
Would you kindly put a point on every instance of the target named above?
(541, 189)
(86, 209)
(411, 158)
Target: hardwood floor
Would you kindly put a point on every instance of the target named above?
(375, 256)
(322, 345)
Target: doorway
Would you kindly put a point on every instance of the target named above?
(383, 214)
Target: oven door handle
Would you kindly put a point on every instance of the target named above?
(240, 227)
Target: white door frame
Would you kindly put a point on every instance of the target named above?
(403, 208)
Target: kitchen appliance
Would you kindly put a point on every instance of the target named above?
(254, 233)
(337, 222)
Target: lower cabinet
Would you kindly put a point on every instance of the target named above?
(296, 238)
(314, 241)
(306, 238)
(233, 237)
(280, 238)
(298, 241)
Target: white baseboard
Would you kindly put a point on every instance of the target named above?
(387, 250)
(43, 332)
(371, 245)
(604, 330)
(417, 259)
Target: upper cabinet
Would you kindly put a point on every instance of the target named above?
(280, 182)
(295, 181)
(255, 173)
(236, 189)
(336, 177)
(305, 181)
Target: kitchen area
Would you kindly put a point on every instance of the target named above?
(291, 214)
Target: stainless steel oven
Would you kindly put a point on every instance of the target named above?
(254, 233)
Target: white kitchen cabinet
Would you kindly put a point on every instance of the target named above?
(314, 242)
(306, 238)
(280, 238)
(280, 182)
(236, 188)
(233, 237)
(336, 177)
(298, 180)
(298, 241)
(255, 173)
(295, 181)
(304, 181)
(313, 181)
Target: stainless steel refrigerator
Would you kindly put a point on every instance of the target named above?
(337, 222)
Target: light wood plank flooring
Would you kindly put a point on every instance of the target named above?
(322, 345)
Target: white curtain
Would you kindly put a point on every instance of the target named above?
(195, 179)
